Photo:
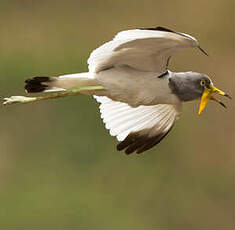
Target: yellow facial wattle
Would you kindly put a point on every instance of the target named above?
(207, 95)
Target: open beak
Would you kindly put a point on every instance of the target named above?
(207, 95)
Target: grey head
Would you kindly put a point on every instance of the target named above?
(188, 86)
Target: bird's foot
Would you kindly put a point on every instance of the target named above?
(18, 99)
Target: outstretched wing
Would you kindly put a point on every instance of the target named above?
(138, 129)
(142, 49)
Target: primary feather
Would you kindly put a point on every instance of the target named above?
(137, 127)
(144, 50)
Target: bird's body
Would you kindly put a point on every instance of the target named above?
(140, 98)
(135, 87)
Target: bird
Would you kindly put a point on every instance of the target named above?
(140, 98)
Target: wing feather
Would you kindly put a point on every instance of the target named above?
(141, 49)
(137, 129)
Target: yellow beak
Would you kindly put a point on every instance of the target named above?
(207, 95)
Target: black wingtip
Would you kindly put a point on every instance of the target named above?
(139, 143)
(36, 84)
(202, 50)
(158, 28)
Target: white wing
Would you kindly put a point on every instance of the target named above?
(141, 49)
(138, 129)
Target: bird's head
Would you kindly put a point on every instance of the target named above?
(190, 86)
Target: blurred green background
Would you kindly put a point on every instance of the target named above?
(59, 168)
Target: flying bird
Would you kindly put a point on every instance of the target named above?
(140, 98)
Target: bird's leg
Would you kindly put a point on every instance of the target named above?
(73, 92)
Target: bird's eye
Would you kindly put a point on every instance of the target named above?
(202, 82)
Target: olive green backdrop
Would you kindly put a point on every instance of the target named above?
(59, 168)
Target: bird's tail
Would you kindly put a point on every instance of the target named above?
(61, 83)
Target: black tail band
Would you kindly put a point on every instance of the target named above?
(36, 84)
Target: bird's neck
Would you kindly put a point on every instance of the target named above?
(182, 85)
